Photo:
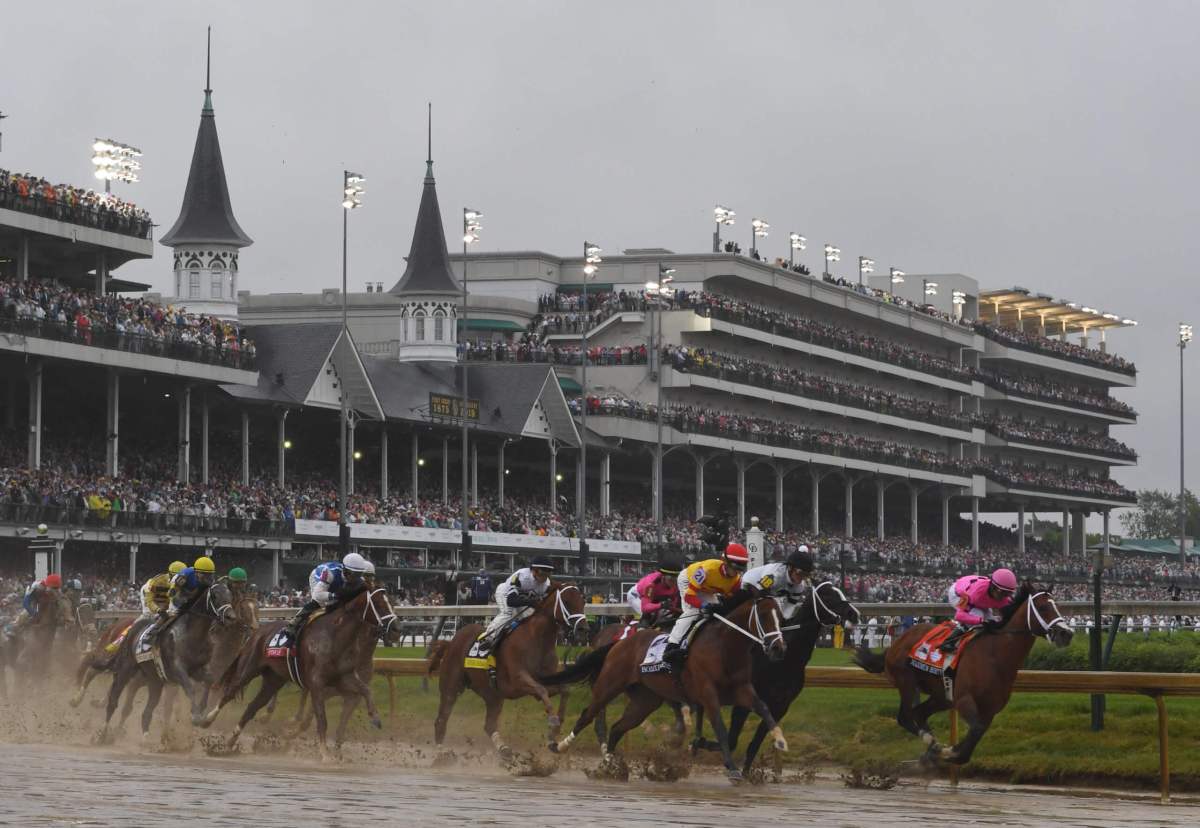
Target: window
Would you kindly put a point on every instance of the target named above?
(217, 279)
(439, 325)
(193, 284)
(404, 329)
(420, 319)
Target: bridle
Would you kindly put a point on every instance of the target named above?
(820, 606)
(384, 621)
(566, 617)
(755, 630)
(1032, 612)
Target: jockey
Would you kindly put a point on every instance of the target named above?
(154, 591)
(655, 593)
(188, 584)
(975, 599)
(519, 594)
(702, 586)
(51, 583)
(787, 581)
(328, 583)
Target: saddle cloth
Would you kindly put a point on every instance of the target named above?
(630, 628)
(143, 650)
(116, 642)
(282, 644)
(653, 662)
(481, 655)
(927, 656)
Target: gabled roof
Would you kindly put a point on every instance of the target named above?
(206, 216)
(288, 358)
(428, 268)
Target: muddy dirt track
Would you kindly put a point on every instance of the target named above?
(90, 786)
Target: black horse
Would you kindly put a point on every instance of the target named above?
(778, 683)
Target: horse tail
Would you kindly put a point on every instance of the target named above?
(437, 652)
(586, 668)
(229, 678)
(870, 661)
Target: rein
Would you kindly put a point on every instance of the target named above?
(571, 619)
(1032, 612)
(819, 605)
(384, 621)
(764, 637)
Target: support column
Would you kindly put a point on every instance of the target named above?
(445, 470)
(10, 408)
(133, 550)
(655, 489)
(1078, 532)
(946, 519)
(245, 447)
(500, 472)
(204, 438)
(383, 461)
(276, 570)
(23, 259)
(605, 484)
(35, 415)
(880, 489)
(975, 524)
(350, 429)
(1021, 528)
(779, 475)
(475, 473)
(280, 439)
(101, 273)
(112, 459)
(741, 492)
(416, 465)
(185, 434)
(57, 562)
(816, 499)
(914, 521)
(850, 481)
(553, 476)
(1066, 533)
(700, 463)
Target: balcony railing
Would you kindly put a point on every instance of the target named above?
(131, 343)
(154, 523)
(90, 212)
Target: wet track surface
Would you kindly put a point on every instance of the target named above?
(94, 786)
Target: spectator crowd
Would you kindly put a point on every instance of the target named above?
(64, 202)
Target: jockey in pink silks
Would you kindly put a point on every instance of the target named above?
(655, 592)
(975, 599)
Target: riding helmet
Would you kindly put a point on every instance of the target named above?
(737, 556)
(176, 567)
(237, 574)
(53, 580)
(1004, 580)
(204, 564)
(669, 567)
(542, 562)
(800, 559)
(355, 562)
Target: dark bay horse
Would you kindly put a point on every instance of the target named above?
(987, 669)
(525, 653)
(718, 671)
(32, 646)
(97, 659)
(779, 683)
(336, 654)
(185, 649)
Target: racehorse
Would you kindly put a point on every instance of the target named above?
(185, 647)
(718, 671)
(987, 669)
(32, 646)
(229, 639)
(778, 683)
(98, 659)
(335, 654)
(524, 654)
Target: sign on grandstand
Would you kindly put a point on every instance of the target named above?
(441, 405)
(422, 536)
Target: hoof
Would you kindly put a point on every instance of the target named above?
(735, 776)
(76, 701)
(377, 723)
(781, 744)
(552, 747)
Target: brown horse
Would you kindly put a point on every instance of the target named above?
(718, 671)
(33, 643)
(99, 659)
(335, 654)
(987, 669)
(608, 634)
(525, 653)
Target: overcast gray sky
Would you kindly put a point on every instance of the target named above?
(1050, 145)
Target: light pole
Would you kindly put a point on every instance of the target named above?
(832, 254)
(115, 161)
(591, 261)
(865, 265)
(758, 231)
(723, 215)
(1185, 336)
(471, 228)
(352, 192)
(658, 294)
(897, 278)
(798, 242)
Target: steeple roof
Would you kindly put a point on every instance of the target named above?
(428, 268)
(206, 216)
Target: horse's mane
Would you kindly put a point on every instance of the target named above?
(1022, 595)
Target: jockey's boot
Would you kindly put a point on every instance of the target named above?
(950, 645)
(673, 655)
(297, 623)
(155, 628)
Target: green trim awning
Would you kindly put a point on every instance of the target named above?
(593, 287)
(505, 325)
(569, 386)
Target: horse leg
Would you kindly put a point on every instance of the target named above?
(642, 702)
(449, 697)
(601, 725)
(909, 698)
(680, 722)
(131, 691)
(84, 674)
(563, 695)
(920, 716)
(349, 705)
(268, 690)
(531, 687)
(977, 724)
(604, 690)
(737, 720)
(114, 697)
(699, 743)
(302, 715)
(491, 723)
(361, 690)
(318, 694)
(155, 689)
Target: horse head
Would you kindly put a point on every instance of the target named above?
(49, 608)
(564, 603)
(828, 605)
(1040, 616)
(759, 620)
(218, 602)
(377, 611)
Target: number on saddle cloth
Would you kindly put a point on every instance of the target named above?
(653, 662)
(927, 656)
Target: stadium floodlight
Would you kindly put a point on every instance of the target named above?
(471, 227)
(1185, 336)
(357, 454)
(115, 161)
(353, 188)
(958, 297)
(287, 444)
(1089, 310)
(591, 262)
(758, 230)
(420, 461)
(797, 242)
(897, 276)
(832, 254)
(865, 265)
(722, 215)
(1131, 322)
(1112, 316)
(930, 288)
(591, 258)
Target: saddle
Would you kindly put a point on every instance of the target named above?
(926, 654)
(653, 662)
(482, 654)
(282, 644)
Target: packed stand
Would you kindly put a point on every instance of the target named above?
(535, 351)
(1015, 338)
(1054, 434)
(63, 202)
(1056, 392)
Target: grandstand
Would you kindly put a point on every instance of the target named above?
(878, 423)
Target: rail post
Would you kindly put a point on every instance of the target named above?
(953, 741)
